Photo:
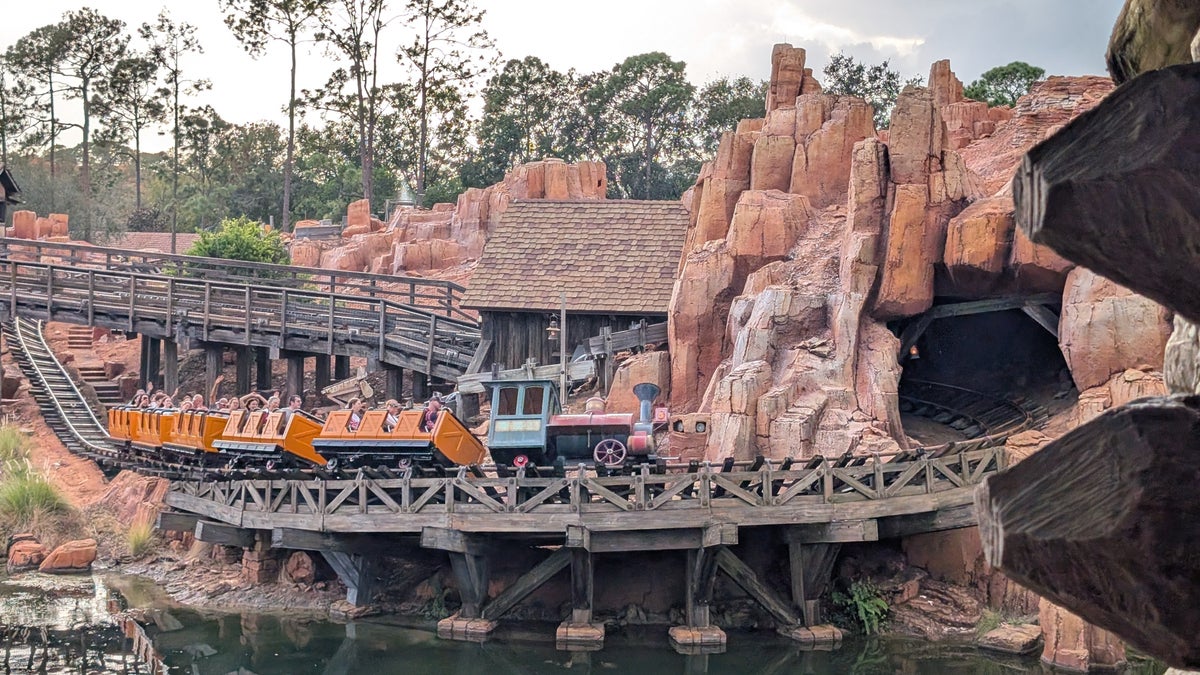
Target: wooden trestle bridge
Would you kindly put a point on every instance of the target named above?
(572, 513)
(261, 311)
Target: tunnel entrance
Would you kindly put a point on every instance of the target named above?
(1006, 354)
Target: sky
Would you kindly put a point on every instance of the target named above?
(714, 37)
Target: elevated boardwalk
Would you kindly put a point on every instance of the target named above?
(181, 303)
(696, 515)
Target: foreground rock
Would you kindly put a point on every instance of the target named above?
(70, 558)
(25, 553)
(1010, 639)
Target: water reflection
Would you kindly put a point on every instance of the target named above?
(59, 625)
(62, 625)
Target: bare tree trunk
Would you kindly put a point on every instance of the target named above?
(285, 223)
(137, 167)
(85, 171)
(175, 170)
(53, 134)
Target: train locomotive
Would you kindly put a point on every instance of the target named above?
(527, 426)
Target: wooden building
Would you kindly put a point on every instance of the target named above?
(615, 261)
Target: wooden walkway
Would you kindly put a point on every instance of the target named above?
(824, 495)
(254, 313)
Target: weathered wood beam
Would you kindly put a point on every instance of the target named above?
(1151, 34)
(170, 521)
(471, 574)
(679, 539)
(701, 576)
(357, 572)
(745, 578)
(834, 532)
(455, 541)
(582, 586)
(225, 535)
(1044, 316)
(949, 518)
(306, 540)
(528, 583)
(1105, 522)
(1118, 189)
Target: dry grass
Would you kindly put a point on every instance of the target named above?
(141, 540)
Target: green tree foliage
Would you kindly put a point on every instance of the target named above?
(127, 106)
(641, 109)
(722, 103)
(353, 34)
(255, 23)
(449, 50)
(170, 42)
(1003, 85)
(34, 59)
(878, 83)
(526, 108)
(241, 239)
(94, 43)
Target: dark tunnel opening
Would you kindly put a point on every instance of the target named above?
(1005, 354)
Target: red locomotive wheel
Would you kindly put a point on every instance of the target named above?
(610, 452)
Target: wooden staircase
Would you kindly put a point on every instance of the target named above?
(107, 391)
(79, 338)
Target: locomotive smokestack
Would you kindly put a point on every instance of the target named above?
(645, 392)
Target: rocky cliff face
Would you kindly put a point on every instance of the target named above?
(810, 232)
(420, 241)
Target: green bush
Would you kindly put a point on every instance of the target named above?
(14, 445)
(241, 239)
(141, 540)
(864, 605)
(25, 495)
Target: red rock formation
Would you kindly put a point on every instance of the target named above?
(827, 127)
(25, 554)
(653, 367)
(416, 240)
(978, 242)
(135, 499)
(1105, 328)
(1074, 645)
(71, 557)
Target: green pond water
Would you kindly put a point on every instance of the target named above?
(73, 616)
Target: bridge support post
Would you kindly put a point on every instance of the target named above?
(341, 367)
(322, 372)
(393, 381)
(170, 365)
(699, 635)
(262, 369)
(295, 376)
(420, 386)
(357, 572)
(578, 632)
(469, 562)
(150, 361)
(244, 357)
(213, 362)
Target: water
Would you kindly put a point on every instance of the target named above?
(75, 609)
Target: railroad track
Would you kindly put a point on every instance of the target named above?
(65, 408)
(983, 419)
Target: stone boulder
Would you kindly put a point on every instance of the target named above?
(300, 568)
(135, 499)
(827, 129)
(1106, 328)
(358, 215)
(306, 253)
(978, 242)
(1074, 645)
(10, 381)
(1037, 268)
(764, 228)
(24, 225)
(1012, 639)
(653, 367)
(25, 553)
(771, 163)
(71, 557)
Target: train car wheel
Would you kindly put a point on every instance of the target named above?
(610, 452)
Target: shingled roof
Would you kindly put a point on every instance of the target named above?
(609, 256)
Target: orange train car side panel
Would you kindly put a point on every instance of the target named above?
(118, 424)
(337, 425)
(233, 424)
(298, 437)
(455, 441)
(408, 426)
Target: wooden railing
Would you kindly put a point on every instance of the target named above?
(244, 313)
(877, 488)
(443, 297)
